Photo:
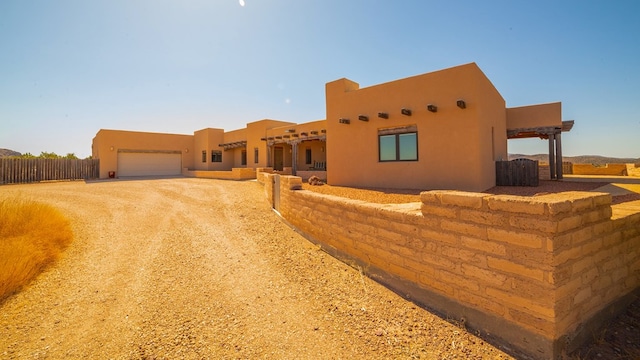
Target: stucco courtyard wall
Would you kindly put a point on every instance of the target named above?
(609, 169)
(538, 274)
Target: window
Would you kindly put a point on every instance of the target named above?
(216, 156)
(255, 155)
(398, 144)
(307, 156)
(243, 157)
(204, 156)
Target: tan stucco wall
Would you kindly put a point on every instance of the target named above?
(455, 148)
(532, 116)
(107, 143)
(256, 131)
(207, 140)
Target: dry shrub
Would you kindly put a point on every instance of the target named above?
(32, 236)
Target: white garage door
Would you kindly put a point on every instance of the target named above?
(149, 163)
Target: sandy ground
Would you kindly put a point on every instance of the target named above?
(197, 269)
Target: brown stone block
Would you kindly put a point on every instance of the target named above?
(439, 236)
(582, 235)
(582, 295)
(516, 269)
(558, 242)
(403, 272)
(538, 324)
(601, 283)
(464, 228)
(484, 275)
(541, 259)
(569, 223)
(536, 224)
(436, 285)
(516, 204)
(439, 261)
(459, 281)
(582, 265)
(567, 255)
(569, 289)
(483, 245)
(429, 210)
(602, 228)
(525, 304)
(463, 255)
(389, 235)
(481, 303)
(516, 238)
(592, 246)
(463, 199)
(590, 276)
(484, 217)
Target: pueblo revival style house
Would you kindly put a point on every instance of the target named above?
(440, 130)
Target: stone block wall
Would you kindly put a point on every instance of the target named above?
(609, 169)
(533, 272)
(234, 174)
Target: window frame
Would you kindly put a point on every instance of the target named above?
(215, 158)
(396, 134)
(256, 154)
(204, 156)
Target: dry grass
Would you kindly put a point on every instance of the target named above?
(32, 236)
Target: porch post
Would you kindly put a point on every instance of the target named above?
(552, 164)
(294, 158)
(269, 155)
(559, 156)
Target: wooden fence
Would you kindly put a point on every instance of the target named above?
(519, 172)
(20, 171)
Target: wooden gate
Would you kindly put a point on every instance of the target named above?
(519, 172)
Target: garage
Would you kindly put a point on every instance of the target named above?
(149, 163)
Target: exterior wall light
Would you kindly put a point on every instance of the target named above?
(461, 104)
(111, 148)
(405, 111)
(432, 108)
(363, 118)
(383, 115)
(344, 121)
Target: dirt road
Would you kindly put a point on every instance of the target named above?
(196, 268)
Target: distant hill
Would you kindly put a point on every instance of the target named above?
(582, 159)
(7, 152)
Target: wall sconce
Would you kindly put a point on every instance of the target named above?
(363, 118)
(405, 111)
(432, 108)
(383, 115)
(111, 148)
(461, 104)
(344, 121)
(186, 150)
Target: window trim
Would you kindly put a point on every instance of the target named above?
(215, 158)
(396, 133)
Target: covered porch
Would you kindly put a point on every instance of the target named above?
(551, 133)
(298, 153)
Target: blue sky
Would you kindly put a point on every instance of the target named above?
(71, 67)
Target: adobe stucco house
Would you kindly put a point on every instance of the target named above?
(440, 130)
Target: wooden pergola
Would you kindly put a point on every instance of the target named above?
(553, 134)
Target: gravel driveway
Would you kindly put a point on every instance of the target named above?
(197, 268)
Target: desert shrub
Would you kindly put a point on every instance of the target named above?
(32, 236)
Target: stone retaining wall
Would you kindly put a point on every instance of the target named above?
(234, 174)
(609, 169)
(537, 274)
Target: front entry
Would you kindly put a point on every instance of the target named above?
(278, 158)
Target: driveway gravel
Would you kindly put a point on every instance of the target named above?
(195, 269)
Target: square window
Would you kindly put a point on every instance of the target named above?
(216, 156)
(401, 146)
